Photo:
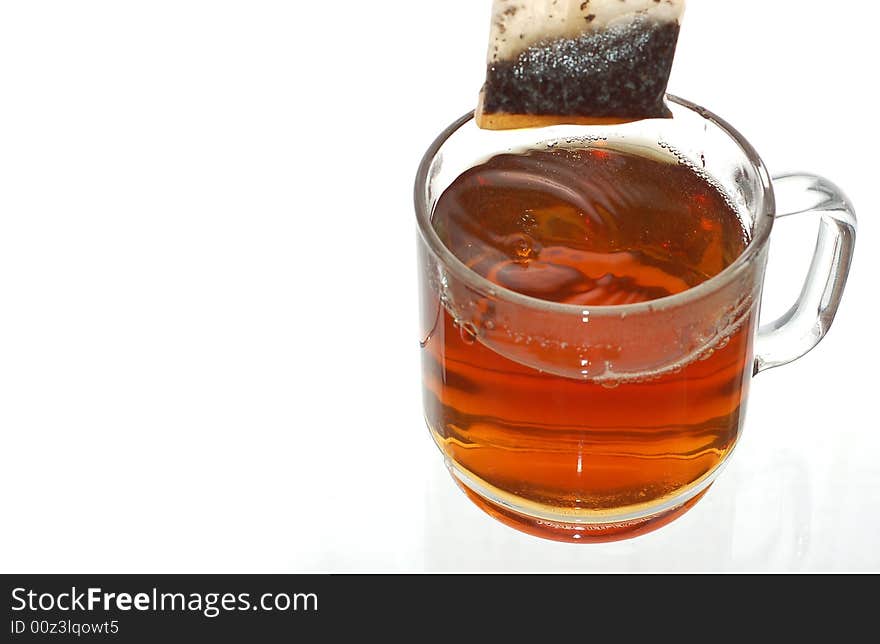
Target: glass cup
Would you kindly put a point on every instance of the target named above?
(602, 423)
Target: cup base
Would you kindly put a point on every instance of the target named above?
(572, 531)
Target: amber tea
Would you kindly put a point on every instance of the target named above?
(591, 226)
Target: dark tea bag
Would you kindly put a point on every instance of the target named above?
(578, 61)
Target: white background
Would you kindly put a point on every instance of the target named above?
(208, 336)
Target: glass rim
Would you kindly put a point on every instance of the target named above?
(759, 238)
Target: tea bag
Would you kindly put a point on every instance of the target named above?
(578, 61)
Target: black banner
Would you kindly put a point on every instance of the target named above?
(245, 608)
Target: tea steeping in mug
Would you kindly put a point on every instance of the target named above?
(590, 289)
(591, 226)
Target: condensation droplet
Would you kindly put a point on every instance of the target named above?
(489, 325)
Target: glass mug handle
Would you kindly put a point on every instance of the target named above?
(806, 323)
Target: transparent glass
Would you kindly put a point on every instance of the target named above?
(601, 423)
